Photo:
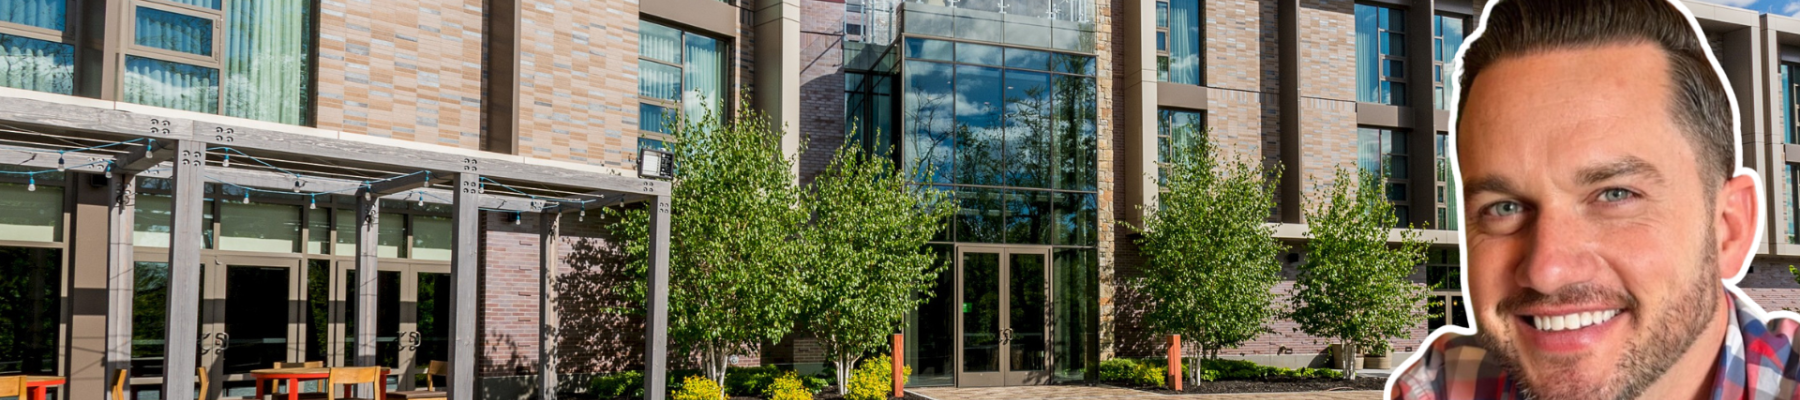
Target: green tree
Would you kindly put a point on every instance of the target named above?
(1353, 287)
(733, 257)
(1212, 260)
(868, 236)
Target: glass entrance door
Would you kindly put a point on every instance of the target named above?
(1003, 334)
(247, 319)
(412, 317)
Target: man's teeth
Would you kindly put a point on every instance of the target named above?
(1567, 322)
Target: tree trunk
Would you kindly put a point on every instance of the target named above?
(716, 359)
(1349, 359)
(845, 365)
(1199, 364)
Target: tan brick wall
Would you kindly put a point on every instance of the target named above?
(1327, 89)
(1108, 201)
(402, 70)
(578, 81)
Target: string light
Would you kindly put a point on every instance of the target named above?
(582, 217)
(109, 166)
(312, 202)
(59, 163)
(246, 194)
(227, 163)
(33, 185)
(421, 199)
(518, 217)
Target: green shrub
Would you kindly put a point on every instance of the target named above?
(1132, 372)
(874, 379)
(749, 381)
(623, 384)
(1117, 370)
(698, 388)
(788, 387)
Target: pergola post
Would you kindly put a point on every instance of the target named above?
(120, 275)
(656, 325)
(463, 276)
(368, 234)
(182, 326)
(549, 237)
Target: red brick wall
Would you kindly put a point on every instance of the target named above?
(821, 84)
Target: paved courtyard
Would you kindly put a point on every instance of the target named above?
(1107, 392)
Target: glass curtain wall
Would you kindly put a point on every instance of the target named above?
(869, 104)
(32, 54)
(1448, 214)
(1790, 101)
(31, 258)
(1380, 55)
(1176, 129)
(1011, 133)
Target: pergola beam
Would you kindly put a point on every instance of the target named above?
(183, 316)
(400, 184)
(146, 157)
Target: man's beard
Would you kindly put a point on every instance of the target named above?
(1646, 358)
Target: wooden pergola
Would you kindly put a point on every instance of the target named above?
(174, 145)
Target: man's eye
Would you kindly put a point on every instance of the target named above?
(1505, 209)
(1615, 195)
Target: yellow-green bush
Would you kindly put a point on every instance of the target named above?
(699, 388)
(874, 379)
(787, 387)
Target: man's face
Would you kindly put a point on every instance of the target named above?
(1592, 251)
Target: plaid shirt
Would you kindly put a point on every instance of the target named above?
(1753, 364)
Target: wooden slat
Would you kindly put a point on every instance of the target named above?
(182, 326)
(549, 237)
(120, 273)
(656, 325)
(464, 275)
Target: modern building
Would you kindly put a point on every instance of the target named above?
(1046, 118)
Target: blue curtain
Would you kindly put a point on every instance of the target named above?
(1184, 42)
(32, 64)
(47, 14)
(1787, 103)
(213, 4)
(659, 42)
(166, 84)
(173, 31)
(1367, 54)
(267, 48)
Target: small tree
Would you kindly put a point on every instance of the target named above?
(868, 234)
(1212, 260)
(732, 253)
(1353, 287)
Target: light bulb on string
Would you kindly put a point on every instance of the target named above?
(518, 217)
(59, 163)
(109, 165)
(246, 194)
(227, 163)
(421, 199)
(33, 185)
(312, 202)
(582, 217)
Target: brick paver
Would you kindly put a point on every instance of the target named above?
(1114, 393)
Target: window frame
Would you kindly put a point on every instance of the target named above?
(39, 33)
(1385, 139)
(727, 95)
(216, 61)
(1441, 62)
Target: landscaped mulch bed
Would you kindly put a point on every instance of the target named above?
(1274, 385)
(827, 394)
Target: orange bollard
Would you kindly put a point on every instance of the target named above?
(1175, 362)
(899, 366)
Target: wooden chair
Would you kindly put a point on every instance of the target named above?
(200, 376)
(118, 385)
(436, 369)
(353, 376)
(12, 386)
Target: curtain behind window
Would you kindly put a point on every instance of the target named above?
(266, 56)
(705, 73)
(166, 84)
(1184, 42)
(1367, 57)
(47, 14)
(33, 64)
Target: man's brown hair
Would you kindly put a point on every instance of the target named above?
(1699, 102)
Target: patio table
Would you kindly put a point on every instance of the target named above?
(294, 376)
(37, 385)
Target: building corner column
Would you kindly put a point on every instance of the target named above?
(776, 87)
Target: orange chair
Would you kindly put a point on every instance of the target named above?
(353, 376)
(13, 386)
(200, 375)
(118, 386)
(436, 369)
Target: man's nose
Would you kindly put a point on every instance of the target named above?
(1558, 252)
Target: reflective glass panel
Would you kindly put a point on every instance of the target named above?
(1028, 217)
(174, 31)
(1030, 102)
(255, 317)
(981, 312)
(979, 154)
(30, 309)
(1026, 298)
(659, 42)
(431, 238)
(930, 330)
(929, 112)
(32, 64)
(259, 227)
(47, 14)
(977, 54)
(31, 216)
(980, 215)
(1076, 308)
(174, 85)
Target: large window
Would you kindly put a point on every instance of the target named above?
(1380, 55)
(30, 309)
(1446, 38)
(1178, 41)
(1790, 103)
(33, 54)
(1447, 210)
(1012, 132)
(1380, 151)
(869, 111)
(1791, 202)
(678, 72)
(242, 58)
(1176, 129)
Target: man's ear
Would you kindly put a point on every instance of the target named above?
(1735, 223)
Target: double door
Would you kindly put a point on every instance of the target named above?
(1003, 338)
(412, 320)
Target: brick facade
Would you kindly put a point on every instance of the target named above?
(578, 66)
(403, 70)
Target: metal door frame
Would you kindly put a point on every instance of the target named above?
(212, 314)
(337, 351)
(1004, 376)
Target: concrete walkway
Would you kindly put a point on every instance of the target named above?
(1108, 392)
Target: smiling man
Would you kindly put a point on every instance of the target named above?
(1605, 207)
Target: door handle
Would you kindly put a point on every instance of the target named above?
(411, 341)
(1006, 336)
